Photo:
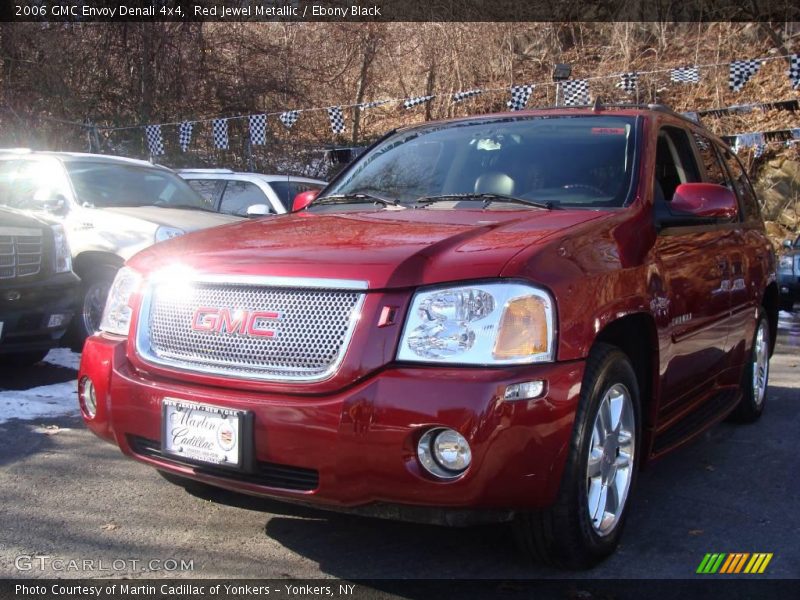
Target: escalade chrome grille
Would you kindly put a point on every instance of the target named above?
(20, 252)
(268, 332)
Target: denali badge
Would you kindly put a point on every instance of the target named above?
(242, 322)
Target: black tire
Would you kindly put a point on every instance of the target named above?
(786, 304)
(563, 535)
(96, 280)
(751, 406)
(23, 359)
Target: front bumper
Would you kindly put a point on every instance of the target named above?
(26, 309)
(357, 447)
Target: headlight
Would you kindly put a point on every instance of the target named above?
(785, 263)
(117, 314)
(62, 257)
(481, 324)
(167, 233)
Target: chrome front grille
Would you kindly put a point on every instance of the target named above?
(203, 327)
(20, 252)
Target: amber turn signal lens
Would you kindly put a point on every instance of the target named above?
(523, 329)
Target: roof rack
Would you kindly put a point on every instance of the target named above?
(599, 105)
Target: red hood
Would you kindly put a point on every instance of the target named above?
(388, 249)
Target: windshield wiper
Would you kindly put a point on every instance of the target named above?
(487, 198)
(357, 198)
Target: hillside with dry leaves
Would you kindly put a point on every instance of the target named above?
(64, 85)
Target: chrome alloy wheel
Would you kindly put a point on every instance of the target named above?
(760, 363)
(609, 464)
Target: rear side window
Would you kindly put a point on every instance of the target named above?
(239, 195)
(742, 187)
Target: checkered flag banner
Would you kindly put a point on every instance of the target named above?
(685, 75)
(628, 82)
(751, 140)
(365, 105)
(289, 118)
(520, 94)
(336, 118)
(412, 102)
(741, 72)
(155, 144)
(185, 135)
(219, 127)
(576, 92)
(461, 96)
(258, 129)
(794, 71)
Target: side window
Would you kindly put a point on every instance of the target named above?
(30, 184)
(209, 189)
(675, 163)
(714, 170)
(241, 194)
(742, 186)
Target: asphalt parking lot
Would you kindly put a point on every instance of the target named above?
(67, 495)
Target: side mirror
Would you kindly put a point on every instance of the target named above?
(705, 200)
(787, 244)
(56, 205)
(257, 210)
(303, 199)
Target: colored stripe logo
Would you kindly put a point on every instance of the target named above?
(733, 563)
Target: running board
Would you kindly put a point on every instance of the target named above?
(695, 422)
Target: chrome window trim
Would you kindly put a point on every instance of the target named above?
(143, 343)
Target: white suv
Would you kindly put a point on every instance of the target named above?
(248, 194)
(111, 208)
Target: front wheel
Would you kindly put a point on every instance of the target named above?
(95, 284)
(755, 376)
(585, 524)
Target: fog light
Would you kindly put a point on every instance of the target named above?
(87, 397)
(525, 390)
(444, 453)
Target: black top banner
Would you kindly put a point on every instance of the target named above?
(94, 11)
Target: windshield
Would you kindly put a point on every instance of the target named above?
(109, 185)
(582, 161)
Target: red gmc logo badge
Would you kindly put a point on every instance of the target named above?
(232, 321)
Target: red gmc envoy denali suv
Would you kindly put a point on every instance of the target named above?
(490, 318)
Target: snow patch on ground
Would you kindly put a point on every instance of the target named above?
(56, 400)
(63, 357)
(44, 401)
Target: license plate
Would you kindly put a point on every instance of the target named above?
(204, 433)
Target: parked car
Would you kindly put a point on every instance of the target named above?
(789, 274)
(38, 290)
(489, 318)
(248, 194)
(111, 207)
